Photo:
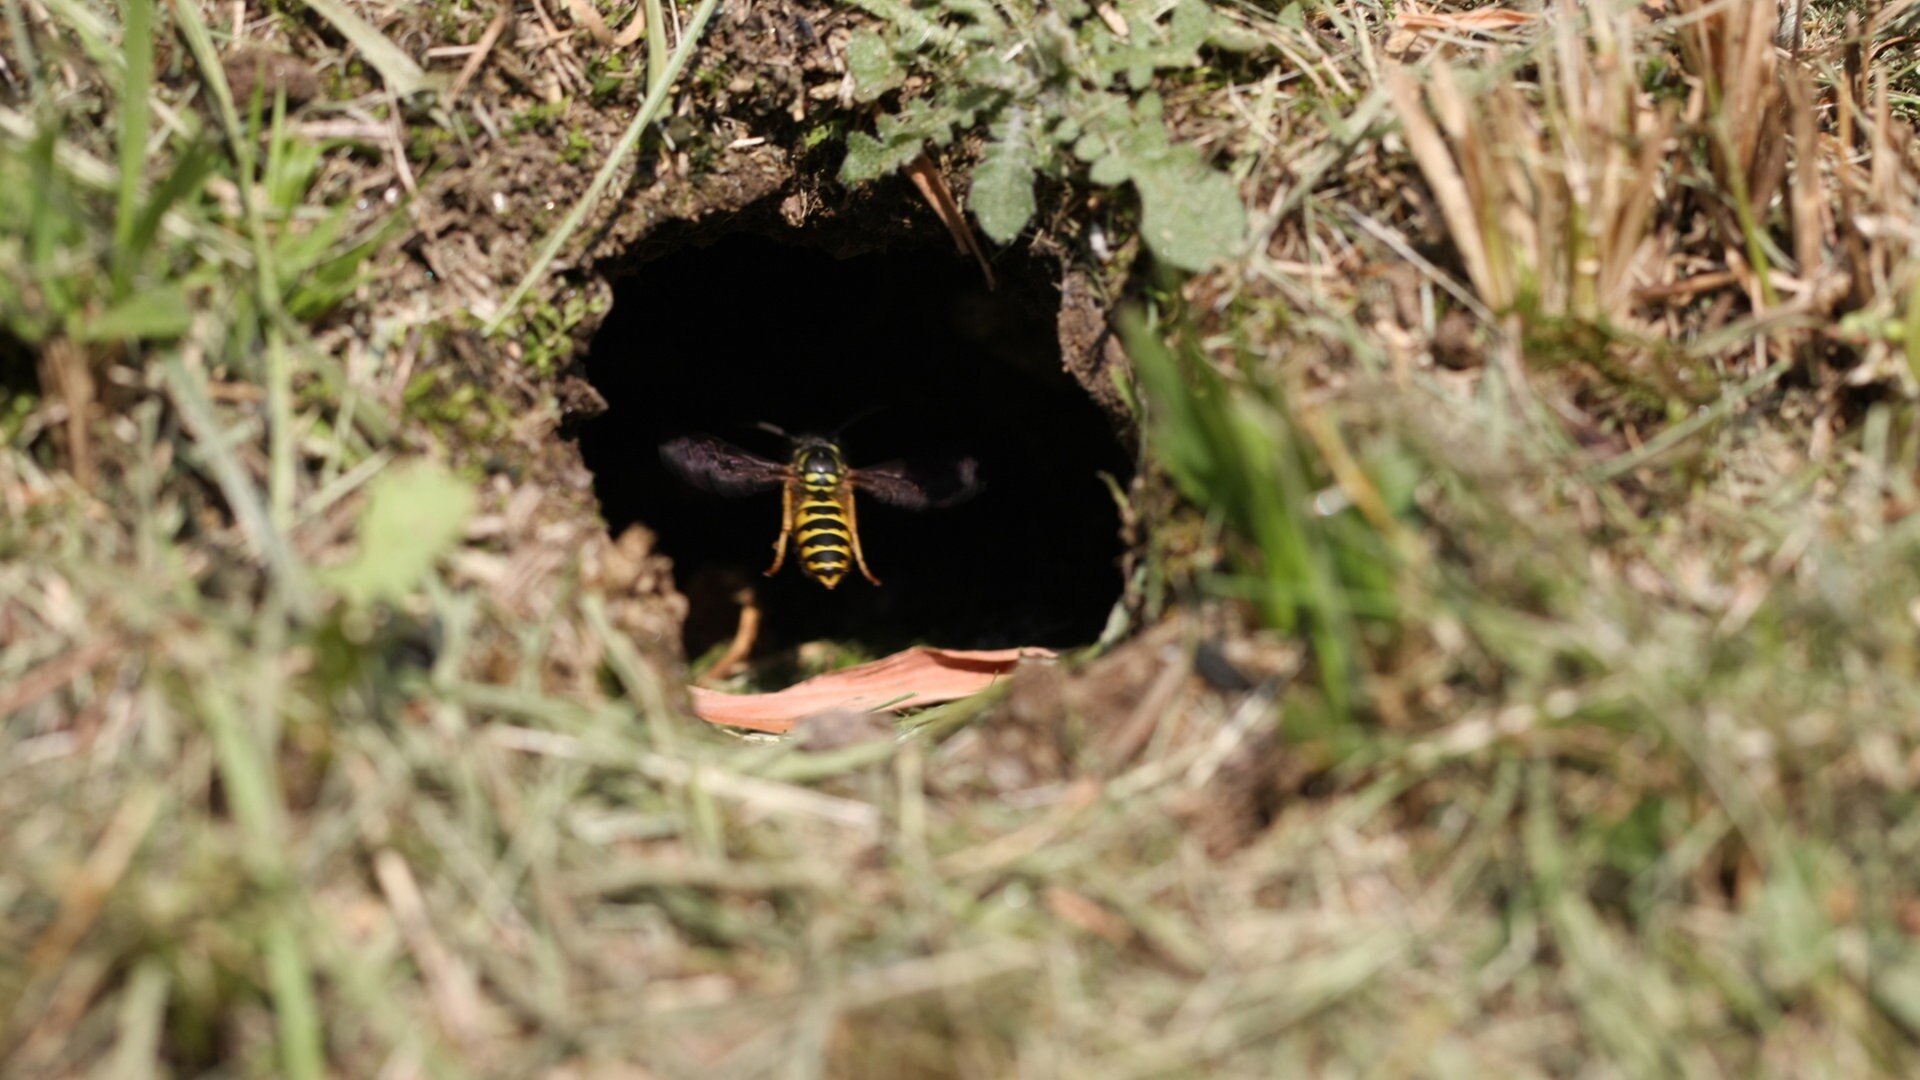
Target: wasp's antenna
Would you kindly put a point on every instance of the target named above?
(864, 414)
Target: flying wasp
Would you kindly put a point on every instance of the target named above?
(816, 493)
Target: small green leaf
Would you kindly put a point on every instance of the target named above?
(1192, 22)
(415, 513)
(982, 13)
(1896, 983)
(1002, 195)
(869, 158)
(871, 62)
(1108, 171)
(990, 70)
(899, 140)
(160, 312)
(1190, 215)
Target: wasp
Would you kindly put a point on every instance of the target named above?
(816, 493)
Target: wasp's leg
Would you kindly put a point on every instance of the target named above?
(853, 535)
(786, 529)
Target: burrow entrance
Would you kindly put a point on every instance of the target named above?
(918, 360)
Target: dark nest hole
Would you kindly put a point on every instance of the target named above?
(19, 372)
(918, 360)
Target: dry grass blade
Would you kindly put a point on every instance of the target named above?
(88, 890)
(1557, 207)
(1479, 19)
(455, 998)
(402, 75)
(945, 972)
(933, 188)
(1449, 187)
(1808, 195)
(1729, 50)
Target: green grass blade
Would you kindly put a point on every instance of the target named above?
(23, 41)
(1911, 344)
(657, 87)
(296, 1014)
(396, 68)
(253, 792)
(135, 124)
(190, 170)
(190, 397)
(207, 57)
(656, 42)
(1232, 452)
(143, 1005)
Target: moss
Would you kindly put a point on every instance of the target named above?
(577, 148)
(608, 79)
(424, 141)
(455, 410)
(539, 117)
(546, 332)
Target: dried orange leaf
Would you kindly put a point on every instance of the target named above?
(906, 680)
(1481, 20)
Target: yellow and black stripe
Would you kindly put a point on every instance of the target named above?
(821, 531)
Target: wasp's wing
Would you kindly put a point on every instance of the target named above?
(718, 466)
(916, 485)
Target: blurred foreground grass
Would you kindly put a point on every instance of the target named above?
(1523, 678)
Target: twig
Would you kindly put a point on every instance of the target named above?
(586, 15)
(743, 638)
(1439, 277)
(1686, 288)
(481, 50)
(54, 674)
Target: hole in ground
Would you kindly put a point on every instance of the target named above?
(919, 360)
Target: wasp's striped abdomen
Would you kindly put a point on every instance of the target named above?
(822, 534)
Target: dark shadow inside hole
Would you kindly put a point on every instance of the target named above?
(918, 360)
(19, 372)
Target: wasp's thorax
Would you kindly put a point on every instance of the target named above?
(818, 462)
